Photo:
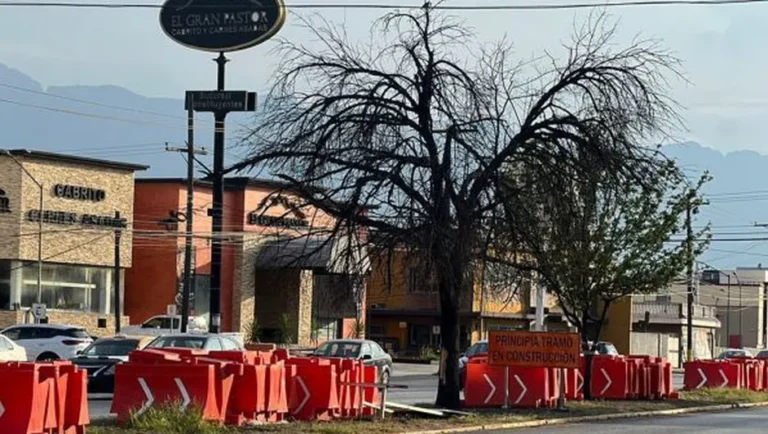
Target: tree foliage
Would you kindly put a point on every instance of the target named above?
(409, 135)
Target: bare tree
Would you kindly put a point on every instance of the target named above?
(408, 135)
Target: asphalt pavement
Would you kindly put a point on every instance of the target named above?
(737, 421)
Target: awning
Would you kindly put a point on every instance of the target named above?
(340, 254)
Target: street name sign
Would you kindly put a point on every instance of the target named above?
(220, 101)
(534, 349)
(222, 25)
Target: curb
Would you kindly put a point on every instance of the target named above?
(599, 418)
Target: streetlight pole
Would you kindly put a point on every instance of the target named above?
(728, 318)
(39, 229)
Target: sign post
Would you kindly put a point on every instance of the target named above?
(537, 350)
(39, 311)
(220, 27)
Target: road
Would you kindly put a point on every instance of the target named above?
(420, 379)
(738, 421)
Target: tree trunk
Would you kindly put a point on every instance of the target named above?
(448, 386)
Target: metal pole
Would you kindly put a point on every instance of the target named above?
(118, 236)
(689, 260)
(218, 199)
(506, 387)
(540, 308)
(741, 318)
(40, 250)
(190, 198)
(728, 320)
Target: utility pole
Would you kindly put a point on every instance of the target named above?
(118, 236)
(191, 152)
(689, 260)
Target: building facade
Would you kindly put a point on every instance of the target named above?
(280, 265)
(84, 202)
(404, 308)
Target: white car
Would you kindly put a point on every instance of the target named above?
(10, 352)
(49, 341)
(163, 324)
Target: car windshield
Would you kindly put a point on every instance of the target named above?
(194, 342)
(338, 349)
(111, 347)
(733, 354)
(479, 348)
(763, 354)
(606, 348)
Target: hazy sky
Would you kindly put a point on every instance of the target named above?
(725, 60)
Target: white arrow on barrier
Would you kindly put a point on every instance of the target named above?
(306, 394)
(608, 381)
(150, 399)
(579, 381)
(703, 379)
(184, 393)
(522, 386)
(725, 378)
(2, 409)
(493, 388)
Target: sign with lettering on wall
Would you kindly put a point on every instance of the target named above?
(5, 203)
(76, 192)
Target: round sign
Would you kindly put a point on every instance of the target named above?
(222, 25)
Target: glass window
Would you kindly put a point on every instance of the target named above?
(213, 344)
(194, 342)
(5, 344)
(12, 334)
(326, 329)
(74, 333)
(338, 349)
(5, 285)
(154, 323)
(478, 348)
(26, 333)
(366, 349)
(68, 287)
(111, 347)
(229, 345)
(377, 350)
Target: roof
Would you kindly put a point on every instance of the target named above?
(229, 182)
(44, 155)
(340, 255)
(50, 326)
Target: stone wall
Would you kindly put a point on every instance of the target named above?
(9, 318)
(87, 320)
(68, 243)
(10, 184)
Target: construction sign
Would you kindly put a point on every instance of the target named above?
(534, 349)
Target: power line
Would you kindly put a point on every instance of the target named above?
(389, 6)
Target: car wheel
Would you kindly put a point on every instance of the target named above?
(47, 357)
(384, 377)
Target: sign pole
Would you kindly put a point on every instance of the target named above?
(118, 310)
(506, 387)
(561, 396)
(218, 202)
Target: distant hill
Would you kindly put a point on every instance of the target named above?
(50, 119)
(122, 125)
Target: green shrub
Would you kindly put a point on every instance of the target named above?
(285, 330)
(428, 353)
(253, 331)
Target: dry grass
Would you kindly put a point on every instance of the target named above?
(401, 424)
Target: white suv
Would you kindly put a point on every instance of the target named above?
(163, 324)
(48, 341)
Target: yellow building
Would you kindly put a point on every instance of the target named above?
(404, 309)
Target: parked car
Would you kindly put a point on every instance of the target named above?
(101, 357)
(11, 352)
(735, 353)
(368, 351)
(164, 324)
(479, 348)
(763, 354)
(49, 341)
(197, 341)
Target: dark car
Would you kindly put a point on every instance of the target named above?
(195, 341)
(478, 349)
(101, 357)
(735, 353)
(368, 351)
(762, 355)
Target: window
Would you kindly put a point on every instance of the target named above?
(111, 347)
(229, 345)
(376, 330)
(338, 349)
(74, 333)
(377, 350)
(154, 323)
(67, 287)
(5, 285)
(27, 333)
(12, 334)
(5, 344)
(326, 329)
(194, 342)
(213, 344)
(366, 350)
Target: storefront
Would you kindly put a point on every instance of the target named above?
(280, 266)
(84, 202)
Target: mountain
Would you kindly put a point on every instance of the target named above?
(114, 123)
(103, 122)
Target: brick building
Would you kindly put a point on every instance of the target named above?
(80, 197)
(279, 264)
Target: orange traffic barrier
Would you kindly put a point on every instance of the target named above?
(149, 356)
(611, 377)
(249, 398)
(277, 393)
(312, 392)
(712, 374)
(27, 400)
(370, 394)
(139, 387)
(76, 413)
(483, 385)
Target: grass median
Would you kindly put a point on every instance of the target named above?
(169, 421)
